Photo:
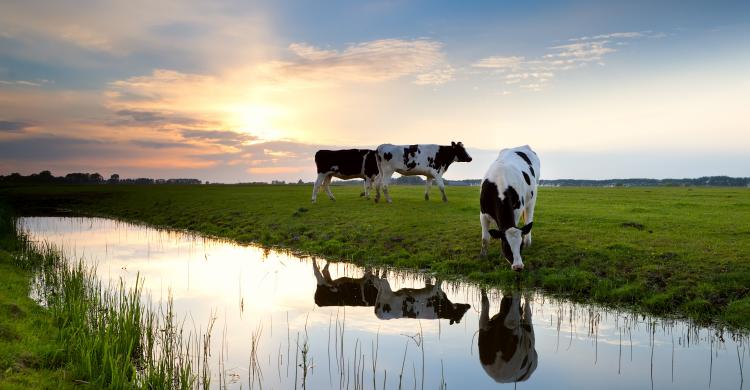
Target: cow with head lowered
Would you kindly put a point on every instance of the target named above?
(344, 164)
(509, 191)
(428, 160)
(506, 341)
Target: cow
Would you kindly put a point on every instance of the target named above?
(345, 164)
(344, 291)
(506, 341)
(429, 303)
(509, 191)
(429, 160)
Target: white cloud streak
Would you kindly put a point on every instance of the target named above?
(535, 74)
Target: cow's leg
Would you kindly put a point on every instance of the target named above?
(484, 316)
(513, 319)
(427, 186)
(326, 273)
(327, 186)
(367, 188)
(529, 218)
(485, 220)
(441, 185)
(316, 271)
(385, 180)
(316, 186)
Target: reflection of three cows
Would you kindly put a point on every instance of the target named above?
(508, 192)
(506, 341)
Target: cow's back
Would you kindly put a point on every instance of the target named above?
(347, 162)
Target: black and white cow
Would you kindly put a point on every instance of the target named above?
(429, 303)
(429, 160)
(344, 291)
(506, 341)
(509, 190)
(345, 164)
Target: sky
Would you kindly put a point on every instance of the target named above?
(239, 91)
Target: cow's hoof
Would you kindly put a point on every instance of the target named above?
(445, 200)
(361, 194)
(426, 197)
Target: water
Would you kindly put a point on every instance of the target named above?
(286, 309)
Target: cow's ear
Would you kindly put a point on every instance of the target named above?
(495, 233)
(526, 229)
(453, 144)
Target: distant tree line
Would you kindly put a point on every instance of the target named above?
(46, 177)
(705, 181)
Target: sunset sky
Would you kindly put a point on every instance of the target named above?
(248, 91)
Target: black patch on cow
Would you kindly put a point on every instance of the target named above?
(524, 157)
(347, 292)
(532, 194)
(443, 158)
(498, 338)
(526, 177)
(528, 161)
(348, 162)
(410, 153)
(387, 156)
(371, 164)
(501, 211)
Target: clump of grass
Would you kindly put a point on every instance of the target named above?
(111, 337)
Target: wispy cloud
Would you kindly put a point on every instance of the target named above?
(535, 74)
(372, 61)
(13, 126)
(498, 62)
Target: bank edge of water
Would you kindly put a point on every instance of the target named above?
(88, 334)
(567, 285)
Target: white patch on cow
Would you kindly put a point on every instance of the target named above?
(514, 237)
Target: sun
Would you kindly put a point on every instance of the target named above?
(259, 120)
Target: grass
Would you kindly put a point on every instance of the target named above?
(682, 251)
(86, 334)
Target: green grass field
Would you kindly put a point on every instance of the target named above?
(682, 251)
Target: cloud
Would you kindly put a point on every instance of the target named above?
(541, 70)
(498, 62)
(371, 61)
(221, 137)
(161, 144)
(13, 127)
(142, 116)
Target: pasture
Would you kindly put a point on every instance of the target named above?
(683, 251)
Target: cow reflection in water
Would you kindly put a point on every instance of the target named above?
(429, 302)
(506, 341)
(344, 291)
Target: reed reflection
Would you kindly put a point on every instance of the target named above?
(506, 341)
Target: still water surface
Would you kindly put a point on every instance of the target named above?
(283, 321)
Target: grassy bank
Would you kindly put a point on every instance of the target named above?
(664, 250)
(86, 334)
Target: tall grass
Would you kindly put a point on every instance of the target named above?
(111, 337)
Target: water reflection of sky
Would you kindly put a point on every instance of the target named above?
(252, 290)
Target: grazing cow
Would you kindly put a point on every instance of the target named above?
(509, 190)
(430, 161)
(506, 341)
(345, 164)
(344, 291)
(428, 303)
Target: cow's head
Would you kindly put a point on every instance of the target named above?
(457, 312)
(512, 243)
(460, 152)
